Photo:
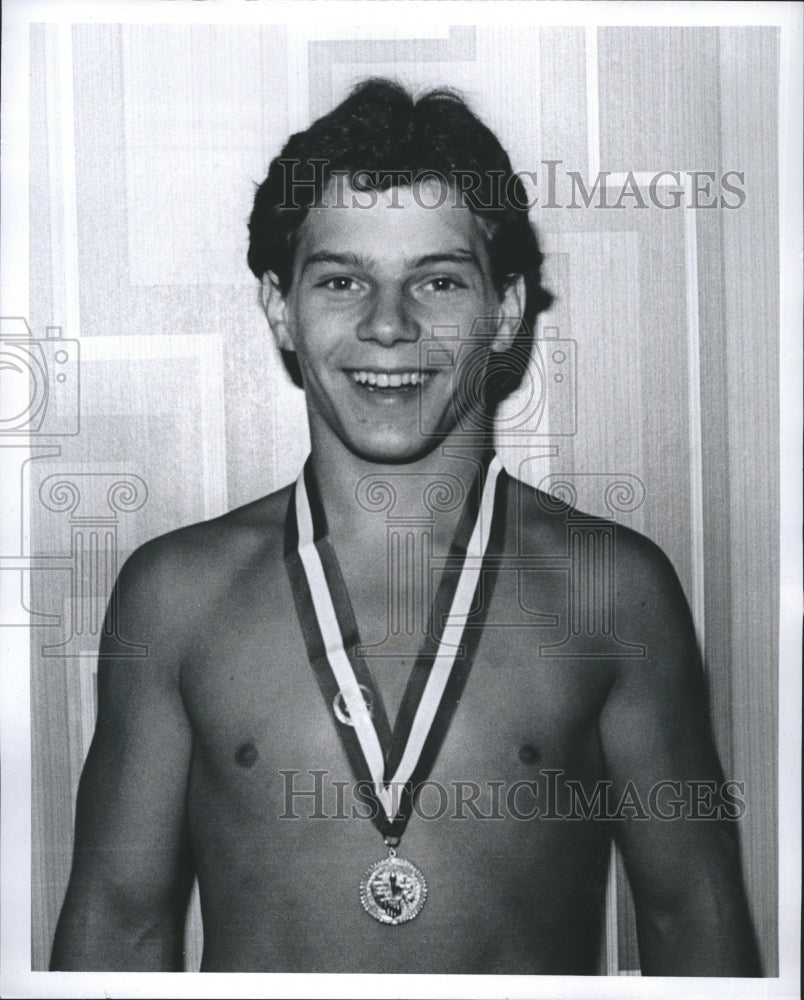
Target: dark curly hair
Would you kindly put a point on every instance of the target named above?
(380, 137)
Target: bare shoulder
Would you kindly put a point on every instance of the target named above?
(546, 524)
(188, 570)
(653, 723)
(648, 597)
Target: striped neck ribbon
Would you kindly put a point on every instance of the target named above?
(390, 766)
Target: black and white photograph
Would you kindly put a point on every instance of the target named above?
(400, 430)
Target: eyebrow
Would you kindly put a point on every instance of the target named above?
(446, 257)
(342, 259)
(355, 260)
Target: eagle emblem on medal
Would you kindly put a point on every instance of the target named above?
(393, 891)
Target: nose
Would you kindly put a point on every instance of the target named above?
(388, 319)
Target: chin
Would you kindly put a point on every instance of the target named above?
(395, 452)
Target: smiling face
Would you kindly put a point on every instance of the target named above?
(373, 291)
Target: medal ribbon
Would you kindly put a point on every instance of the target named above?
(328, 633)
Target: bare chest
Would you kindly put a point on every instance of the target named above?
(257, 707)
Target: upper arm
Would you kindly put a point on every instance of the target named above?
(654, 725)
(659, 751)
(131, 866)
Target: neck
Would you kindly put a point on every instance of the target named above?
(360, 497)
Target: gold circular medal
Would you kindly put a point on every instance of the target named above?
(393, 891)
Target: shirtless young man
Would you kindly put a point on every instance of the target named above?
(401, 304)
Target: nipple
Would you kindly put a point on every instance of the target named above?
(246, 755)
(528, 753)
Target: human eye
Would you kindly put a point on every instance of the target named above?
(443, 283)
(339, 283)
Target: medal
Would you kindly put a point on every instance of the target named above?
(393, 890)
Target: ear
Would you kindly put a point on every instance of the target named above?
(512, 308)
(276, 311)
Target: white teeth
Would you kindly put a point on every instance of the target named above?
(389, 380)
